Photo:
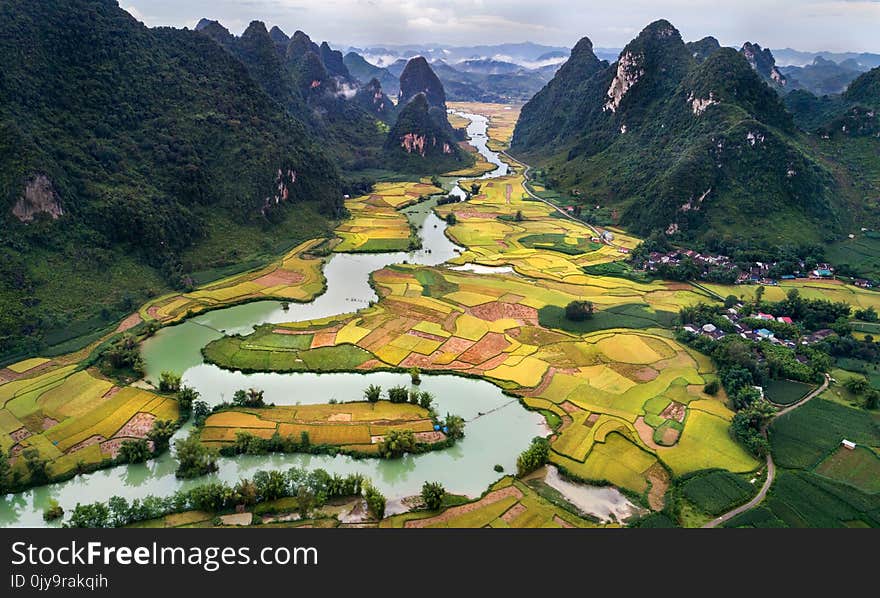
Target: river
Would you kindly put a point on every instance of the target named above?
(498, 427)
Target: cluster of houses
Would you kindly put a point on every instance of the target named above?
(672, 258)
(756, 334)
(756, 273)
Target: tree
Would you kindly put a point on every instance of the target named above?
(396, 443)
(193, 458)
(305, 501)
(186, 396)
(578, 311)
(866, 315)
(872, 399)
(246, 492)
(169, 382)
(53, 511)
(248, 398)
(5, 473)
(759, 294)
(271, 485)
(519, 216)
(433, 494)
(857, 385)
(415, 375)
(37, 467)
(200, 413)
(96, 515)
(373, 393)
(161, 433)
(133, 451)
(398, 394)
(533, 457)
(375, 501)
(453, 426)
(712, 387)
(730, 301)
(475, 188)
(451, 219)
(425, 400)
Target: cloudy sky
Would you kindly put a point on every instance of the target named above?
(810, 25)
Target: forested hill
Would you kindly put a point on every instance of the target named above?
(671, 139)
(129, 159)
(313, 84)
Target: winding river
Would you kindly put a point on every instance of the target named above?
(498, 427)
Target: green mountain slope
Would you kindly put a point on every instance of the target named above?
(125, 154)
(312, 83)
(669, 143)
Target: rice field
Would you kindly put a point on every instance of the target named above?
(502, 120)
(74, 418)
(508, 503)
(618, 388)
(355, 427)
(297, 276)
(376, 224)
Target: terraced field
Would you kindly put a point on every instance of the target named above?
(74, 418)
(376, 225)
(354, 427)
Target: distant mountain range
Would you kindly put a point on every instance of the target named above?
(516, 72)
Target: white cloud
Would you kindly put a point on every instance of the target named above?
(803, 24)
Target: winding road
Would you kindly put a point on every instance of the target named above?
(771, 466)
(525, 187)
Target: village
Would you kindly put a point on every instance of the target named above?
(738, 326)
(722, 268)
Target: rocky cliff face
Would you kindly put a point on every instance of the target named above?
(764, 64)
(417, 142)
(39, 197)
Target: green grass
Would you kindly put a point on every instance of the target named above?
(556, 242)
(802, 438)
(629, 315)
(717, 492)
(786, 392)
(866, 327)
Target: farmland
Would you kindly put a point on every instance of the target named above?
(352, 427)
(829, 290)
(502, 120)
(786, 392)
(509, 503)
(74, 418)
(376, 225)
(613, 389)
(802, 438)
(821, 483)
(296, 276)
(715, 492)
